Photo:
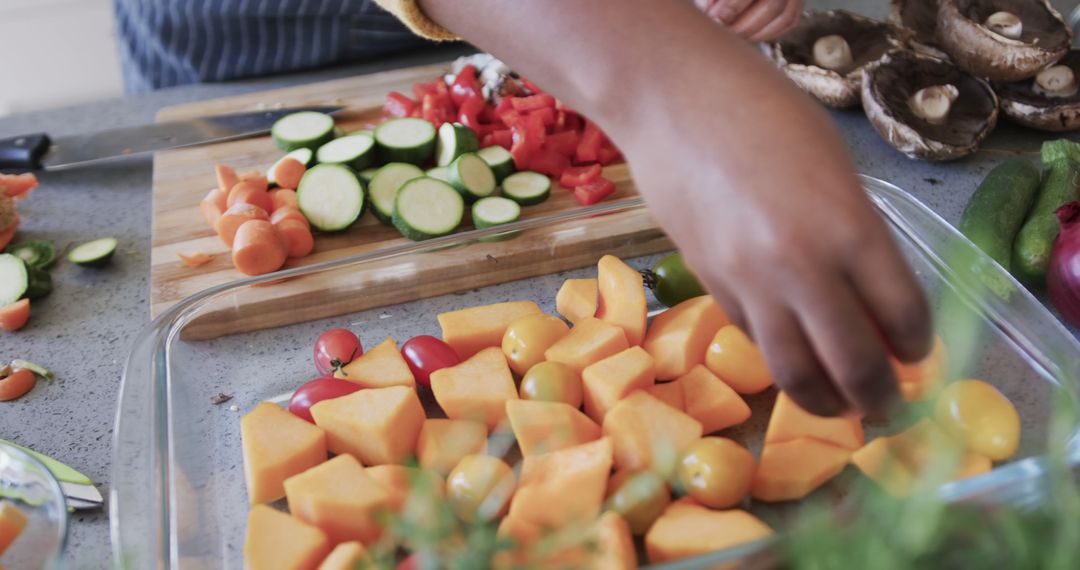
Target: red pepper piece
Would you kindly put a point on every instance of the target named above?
(588, 149)
(398, 105)
(564, 143)
(580, 175)
(533, 102)
(465, 85)
(546, 115)
(592, 192)
(547, 162)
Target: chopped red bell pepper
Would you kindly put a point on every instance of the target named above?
(531, 86)
(507, 104)
(509, 118)
(437, 109)
(580, 175)
(421, 89)
(592, 192)
(398, 105)
(525, 142)
(503, 138)
(588, 149)
(536, 127)
(608, 154)
(465, 85)
(547, 162)
(469, 111)
(564, 143)
(546, 115)
(532, 102)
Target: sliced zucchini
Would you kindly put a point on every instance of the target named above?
(408, 140)
(500, 160)
(40, 254)
(384, 187)
(367, 174)
(331, 197)
(354, 151)
(440, 173)
(471, 176)
(455, 139)
(306, 129)
(304, 155)
(40, 283)
(495, 211)
(527, 187)
(93, 253)
(14, 279)
(427, 208)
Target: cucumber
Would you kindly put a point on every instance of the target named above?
(384, 187)
(998, 207)
(304, 155)
(500, 160)
(331, 197)
(93, 253)
(39, 285)
(427, 208)
(354, 151)
(306, 129)
(527, 188)
(408, 140)
(455, 139)
(14, 279)
(40, 254)
(1031, 252)
(367, 174)
(495, 211)
(472, 177)
(440, 173)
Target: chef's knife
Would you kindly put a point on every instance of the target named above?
(78, 488)
(40, 151)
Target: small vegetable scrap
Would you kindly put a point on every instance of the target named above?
(18, 378)
(195, 259)
(218, 399)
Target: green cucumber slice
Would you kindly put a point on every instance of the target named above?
(408, 140)
(39, 254)
(471, 176)
(306, 129)
(527, 187)
(304, 155)
(384, 187)
(495, 211)
(14, 279)
(93, 253)
(455, 139)
(427, 208)
(367, 174)
(354, 151)
(440, 173)
(500, 160)
(40, 283)
(331, 197)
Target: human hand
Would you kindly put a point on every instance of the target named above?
(754, 20)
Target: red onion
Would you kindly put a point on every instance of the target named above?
(1063, 277)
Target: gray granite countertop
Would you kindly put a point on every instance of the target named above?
(85, 329)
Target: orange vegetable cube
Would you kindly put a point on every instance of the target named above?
(577, 299)
(919, 380)
(276, 446)
(712, 402)
(622, 298)
(476, 389)
(647, 433)
(347, 556)
(737, 361)
(12, 523)
(277, 541)
(563, 487)
(789, 421)
(401, 483)
(443, 442)
(591, 340)
(611, 379)
(679, 337)
(377, 426)
(686, 530)
(614, 544)
(471, 330)
(340, 498)
(670, 393)
(535, 547)
(877, 461)
(541, 427)
(380, 367)
(791, 470)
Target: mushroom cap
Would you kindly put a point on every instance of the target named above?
(889, 84)
(1022, 104)
(919, 19)
(1045, 38)
(794, 53)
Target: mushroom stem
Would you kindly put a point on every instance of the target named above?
(1056, 81)
(1005, 24)
(933, 103)
(832, 52)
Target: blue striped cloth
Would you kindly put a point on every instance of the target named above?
(164, 43)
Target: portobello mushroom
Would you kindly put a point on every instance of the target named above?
(1002, 40)
(1050, 101)
(918, 18)
(926, 107)
(826, 53)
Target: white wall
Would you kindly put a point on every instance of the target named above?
(56, 52)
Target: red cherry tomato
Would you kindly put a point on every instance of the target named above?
(336, 348)
(316, 391)
(426, 354)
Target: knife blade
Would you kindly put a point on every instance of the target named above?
(40, 151)
(78, 488)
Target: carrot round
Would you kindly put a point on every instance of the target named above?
(226, 178)
(282, 197)
(252, 193)
(257, 177)
(235, 217)
(296, 236)
(14, 316)
(288, 173)
(257, 248)
(289, 213)
(213, 206)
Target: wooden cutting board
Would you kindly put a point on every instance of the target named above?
(182, 178)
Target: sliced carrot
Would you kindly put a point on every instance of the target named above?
(8, 234)
(12, 185)
(288, 213)
(226, 178)
(257, 248)
(281, 197)
(296, 236)
(196, 259)
(213, 206)
(14, 316)
(234, 217)
(288, 173)
(256, 177)
(250, 192)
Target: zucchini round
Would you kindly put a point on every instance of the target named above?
(331, 197)
(427, 208)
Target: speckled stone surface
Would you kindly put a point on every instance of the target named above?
(85, 329)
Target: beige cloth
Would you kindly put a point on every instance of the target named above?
(409, 12)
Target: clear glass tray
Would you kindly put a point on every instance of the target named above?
(178, 497)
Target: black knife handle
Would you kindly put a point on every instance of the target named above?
(23, 153)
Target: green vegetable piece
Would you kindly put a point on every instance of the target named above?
(40, 283)
(1031, 252)
(39, 254)
(672, 282)
(93, 253)
(998, 208)
(35, 368)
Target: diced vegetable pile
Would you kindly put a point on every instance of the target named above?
(613, 415)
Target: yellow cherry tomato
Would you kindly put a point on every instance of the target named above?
(552, 382)
(639, 497)
(526, 339)
(716, 472)
(737, 361)
(977, 414)
(479, 488)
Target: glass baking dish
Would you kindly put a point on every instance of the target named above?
(178, 498)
